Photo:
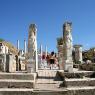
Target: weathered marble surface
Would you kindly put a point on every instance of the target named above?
(67, 47)
(32, 49)
(78, 53)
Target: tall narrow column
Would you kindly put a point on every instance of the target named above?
(60, 52)
(32, 49)
(18, 45)
(45, 50)
(36, 52)
(4, 63)
(41, 51)
(25, 47)
(67, 47)
(78, 53)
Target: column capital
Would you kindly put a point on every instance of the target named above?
(77, 46)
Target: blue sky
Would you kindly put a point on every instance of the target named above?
(49, 16)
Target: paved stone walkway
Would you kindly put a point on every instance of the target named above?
(48, 80)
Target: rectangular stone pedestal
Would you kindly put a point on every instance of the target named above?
(68, 66)
(31, 67)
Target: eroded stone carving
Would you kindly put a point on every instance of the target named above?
(67, 47)
(32, 48)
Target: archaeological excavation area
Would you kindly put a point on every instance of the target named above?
(30, 72)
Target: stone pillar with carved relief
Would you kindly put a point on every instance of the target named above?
(32, 49)
(67, 47)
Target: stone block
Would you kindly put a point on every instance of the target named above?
(11, 83)
(18, 76)
(31, 67)
(80, 82)
(68, 66)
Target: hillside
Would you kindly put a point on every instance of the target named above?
(11, 47)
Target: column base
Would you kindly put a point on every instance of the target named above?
(31, 67)
(68, 66)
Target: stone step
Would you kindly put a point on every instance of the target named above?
(68, 91)
(11, 83)
(19, 76)
(64, 91)
(15, 91)
(86, 90)
(77, 74)
(80, 82)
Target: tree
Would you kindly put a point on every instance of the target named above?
(1, 39)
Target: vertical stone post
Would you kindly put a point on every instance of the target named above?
(60, 56)
(41, 52)
(4, 63)
(60, 52)
(25, 50)
(45, 50)
(10, 63)
(18, 45)
(78, 53)
(32, 49)
(67, 47)
(36, 50)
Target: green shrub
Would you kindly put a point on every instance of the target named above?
(78, 62)
(1, 39)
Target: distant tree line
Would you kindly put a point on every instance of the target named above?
(89, 55)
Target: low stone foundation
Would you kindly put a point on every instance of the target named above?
(80, 82)
(16, 83)
(87, 67)
(18, 76)
(80, 74)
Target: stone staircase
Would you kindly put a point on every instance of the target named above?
(79, 83)
(48, 82)
(17, 83)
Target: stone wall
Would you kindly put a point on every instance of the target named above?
(10, 63)
(87, 67)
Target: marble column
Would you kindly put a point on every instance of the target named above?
(18, 45)
(32, 49)
(67, 47)
(60, 56)
(78, 53)
(4, 63)
(25, 49)
(36, 52)
(41, 53)
(45, 50)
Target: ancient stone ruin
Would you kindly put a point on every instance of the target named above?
(67, 47)
(32, 49)
(21, 73)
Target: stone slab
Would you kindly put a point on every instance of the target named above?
(68, 91)
(77, 74)
(19, 76)
(80, 82)
(11, 83)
